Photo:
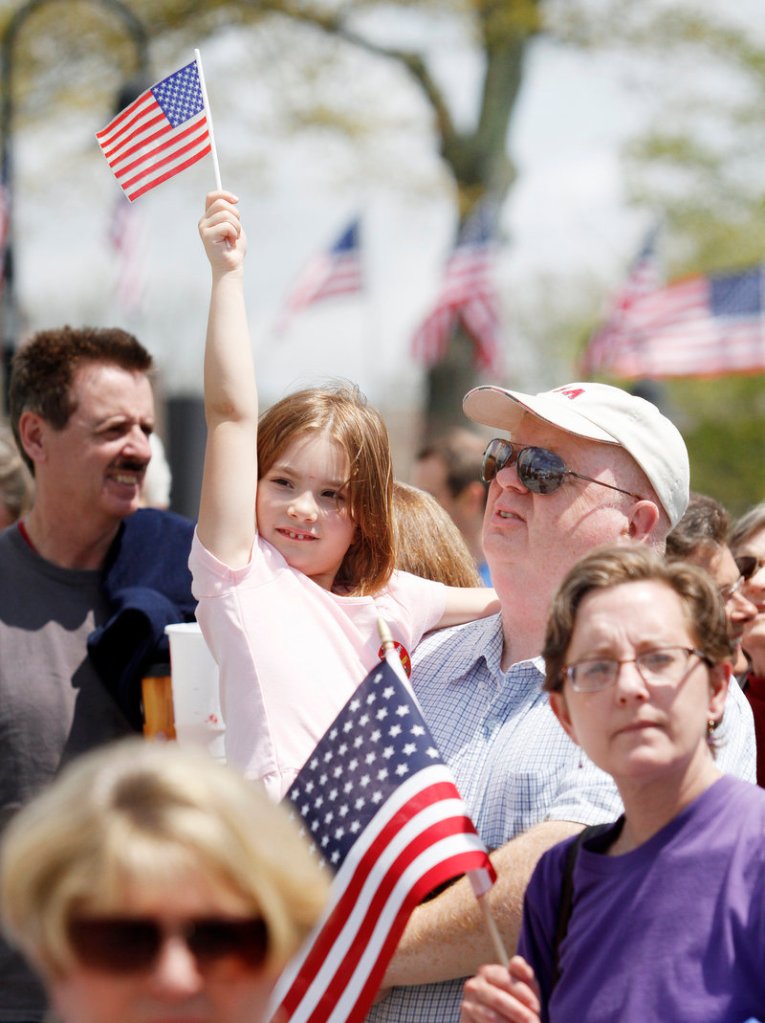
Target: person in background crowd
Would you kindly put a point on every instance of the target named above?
(16, 484)
(150, 882)
(701, 537)
(584, 465)
(665, 919)
(427, 540)
(747, 542)
(450, 469)
(87, 580)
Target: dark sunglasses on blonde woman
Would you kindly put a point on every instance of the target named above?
(126, 944)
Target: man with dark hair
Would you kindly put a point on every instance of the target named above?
(450, 469)
(87, 582)
(701, 537)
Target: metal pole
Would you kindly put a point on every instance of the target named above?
(8, 304)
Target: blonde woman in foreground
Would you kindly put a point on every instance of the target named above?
(150, 883)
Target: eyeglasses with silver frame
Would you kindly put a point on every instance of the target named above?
(663, 666)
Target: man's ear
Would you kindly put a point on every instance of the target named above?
(560, 710)
(32, 435)
(643, 518)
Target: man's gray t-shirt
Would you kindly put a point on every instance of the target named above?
(53, 705)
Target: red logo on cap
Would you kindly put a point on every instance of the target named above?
(570, 392)
(403, 653)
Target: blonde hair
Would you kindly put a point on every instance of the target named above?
(136, 813)
(428, 543)
(16, 483)
(342, 411)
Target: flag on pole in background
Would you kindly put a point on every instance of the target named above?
(383, 810)
(161, 133)
(127, 238)
(703, 325)
(644, 277)
(335, 271)
(467, 296)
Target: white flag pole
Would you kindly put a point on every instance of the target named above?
(208, 114)
(478, 880)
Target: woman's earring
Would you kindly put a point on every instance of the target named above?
(711, 728)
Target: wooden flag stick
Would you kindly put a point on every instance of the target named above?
(208, 114)
(491, 926)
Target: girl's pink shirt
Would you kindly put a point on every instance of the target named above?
(290, 653)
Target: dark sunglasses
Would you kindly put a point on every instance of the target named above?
(539, 470)
(748, 565)
(127, 944)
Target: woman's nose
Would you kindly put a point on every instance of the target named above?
(175, 973)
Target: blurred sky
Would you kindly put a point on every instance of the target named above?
(567, 219)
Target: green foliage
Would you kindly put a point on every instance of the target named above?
(723, 422)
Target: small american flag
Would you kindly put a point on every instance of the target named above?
(703, 325)
(467, 296)
(159, 134)
(384, 812)
(335, 271)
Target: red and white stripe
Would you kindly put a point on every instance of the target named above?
(143, 149)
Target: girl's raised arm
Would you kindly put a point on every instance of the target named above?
(226, 523)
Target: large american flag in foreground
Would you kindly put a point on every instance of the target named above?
(467, 296)
(159, 134)
(383, 810)
(704, 325)
(335, 271)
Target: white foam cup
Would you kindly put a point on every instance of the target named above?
(196, 692)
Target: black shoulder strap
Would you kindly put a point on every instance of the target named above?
(567, 891)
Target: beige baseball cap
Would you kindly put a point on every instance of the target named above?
(599, 412)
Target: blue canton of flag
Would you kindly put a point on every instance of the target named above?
(737, 294)
(180, 95)
(159, 134)
(383, 810)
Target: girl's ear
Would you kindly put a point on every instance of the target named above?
(560, 710)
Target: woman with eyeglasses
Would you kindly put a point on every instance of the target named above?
(747, 542)
(150, 883)
(660, 916)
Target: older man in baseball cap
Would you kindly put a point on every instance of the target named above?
(571, 469)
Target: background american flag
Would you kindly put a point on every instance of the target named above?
(467, 296)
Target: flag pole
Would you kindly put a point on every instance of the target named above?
(477, 878)
(208, 112)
